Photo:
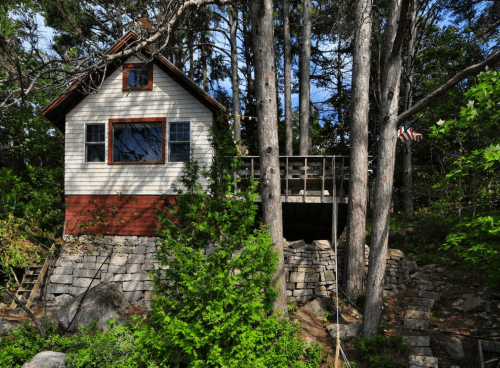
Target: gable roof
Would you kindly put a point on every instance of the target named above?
(56, 111)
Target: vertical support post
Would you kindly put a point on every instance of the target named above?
(305, 180)
(286, 179)
(334, 212)
(341, 191)
(323, 182)
(251, 170)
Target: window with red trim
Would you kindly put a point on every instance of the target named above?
(138, 77)
(136, 141)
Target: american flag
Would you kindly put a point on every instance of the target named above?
(408, 134)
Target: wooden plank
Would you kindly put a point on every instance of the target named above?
(323, 181)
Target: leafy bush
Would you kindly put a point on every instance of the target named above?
(113, 348)
(24, 342)
(214, 290)
(369, 350)
(476, 240)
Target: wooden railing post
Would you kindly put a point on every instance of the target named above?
(286, 180)
(305, 180)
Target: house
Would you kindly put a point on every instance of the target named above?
(125, 144)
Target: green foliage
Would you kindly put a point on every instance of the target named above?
(24, 342)
(369, 350)
(476, 240)
(214, 292)
(113, 348)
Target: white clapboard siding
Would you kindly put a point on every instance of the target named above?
(167, 99)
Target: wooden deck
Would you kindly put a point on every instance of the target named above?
(304, 179)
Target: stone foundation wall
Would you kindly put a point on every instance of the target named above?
(310, 268)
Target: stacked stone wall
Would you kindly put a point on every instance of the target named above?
(126, 260)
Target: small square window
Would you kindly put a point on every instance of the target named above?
(179, 142)
(137, 77)
(94, 143)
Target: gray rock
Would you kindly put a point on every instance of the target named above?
(348, 331)
(46, 359)
(423, 361)
(417, 341)
(6, 326)
(63, 298)
(298, 244)
(474, 303)
(453, 348)
(317, 307)
(416, 324)
(429, 295)
(412, 267)
(422, 351)
(103, 302)
(320, 245)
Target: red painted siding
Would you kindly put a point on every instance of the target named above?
(113, 214)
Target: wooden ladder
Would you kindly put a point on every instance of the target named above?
(32, 280)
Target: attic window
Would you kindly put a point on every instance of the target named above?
(137, 77)
(136, 141)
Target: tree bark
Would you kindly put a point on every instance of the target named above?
(358, 166)
(265, 90)
(233, 19)
(288, 80)
(407, 153)
(396, 24)
(305, 71)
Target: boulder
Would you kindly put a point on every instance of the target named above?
(474, 303)
(412, 267)
(319, 245)
(317, 307)
(46, 359)
(297, 244)
(6, 326)
(453, 347)
(103, 302)
(348, 331)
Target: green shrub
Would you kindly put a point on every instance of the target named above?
(476, 240)
(91, 347)
(24, 342)
(213, 305)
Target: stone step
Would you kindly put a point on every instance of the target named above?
(418, 361)
(429, 295)
(416, 324)
(419, 308)
(417, 340)
(424, 302)
(414, 314)
(421, 351)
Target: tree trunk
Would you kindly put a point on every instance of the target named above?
(305, 70)
(407, 153)
(396, 24)
(265, 91)
(288, 80)
(233, 19)
(358, 166)
(204, 54)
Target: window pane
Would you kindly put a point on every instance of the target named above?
(137, 78)
(95, 133)
(179, 132)
(95, 153)
(139, 142)
(179, 152)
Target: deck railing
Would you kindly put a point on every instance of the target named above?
(304, 179)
